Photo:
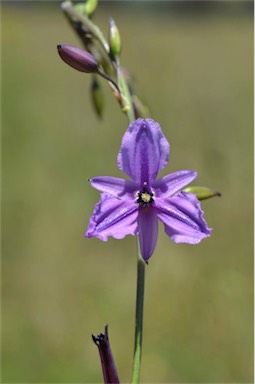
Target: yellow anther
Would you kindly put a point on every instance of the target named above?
(146, 197)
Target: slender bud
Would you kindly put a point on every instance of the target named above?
(114, 38)
(108, 366)
(87, 8)
(90, 7)
(77, 58)
(202, 193)
(97, 96)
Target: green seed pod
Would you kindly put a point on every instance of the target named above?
(97, 97)
(114, 38)
(202, 193)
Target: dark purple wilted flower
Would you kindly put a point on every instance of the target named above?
(108, 366)
(131, 207)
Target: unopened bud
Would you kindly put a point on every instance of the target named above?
(90, 7)
(202, 193)
(114, 38)
(77, 58)
(97, 96)
(87, 8)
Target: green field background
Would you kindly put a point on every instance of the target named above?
(195, 71)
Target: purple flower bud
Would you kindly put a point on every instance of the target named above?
(77, 58)
(106, 357)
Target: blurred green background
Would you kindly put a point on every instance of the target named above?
(194, 66)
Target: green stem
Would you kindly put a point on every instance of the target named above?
(138, 319)
(128, 106)
(67, 7)
(122, 87)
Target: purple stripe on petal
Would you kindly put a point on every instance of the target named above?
(148, 231)
(114, 186)
(144, 151)
(172, 183)
(183, 218)
(113, 217)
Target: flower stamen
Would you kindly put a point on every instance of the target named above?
(145, 198)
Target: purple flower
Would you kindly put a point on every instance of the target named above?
(131, 207)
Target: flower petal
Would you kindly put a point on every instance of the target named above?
(172, 183)
(113, 185)
(148, 231)
(113, 217)
(183, 218)
(144, 151)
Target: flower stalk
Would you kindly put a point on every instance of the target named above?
(139, 318)
(108, 50)
(72, 13)
(127, 106)
(134, 206)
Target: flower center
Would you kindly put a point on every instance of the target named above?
(145, 197)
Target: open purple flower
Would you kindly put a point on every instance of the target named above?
(131, 207)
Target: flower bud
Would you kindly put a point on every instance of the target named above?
(97, 96)
(202, 193)
(87, 8)
(90, 7)
(114, 38)
(108, 366)
(77, 58)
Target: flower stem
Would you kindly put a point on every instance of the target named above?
(67, 7)
(128, 107)
(138, 319)
(124, 97)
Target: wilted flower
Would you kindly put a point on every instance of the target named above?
(135, 206)
(108, 366)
